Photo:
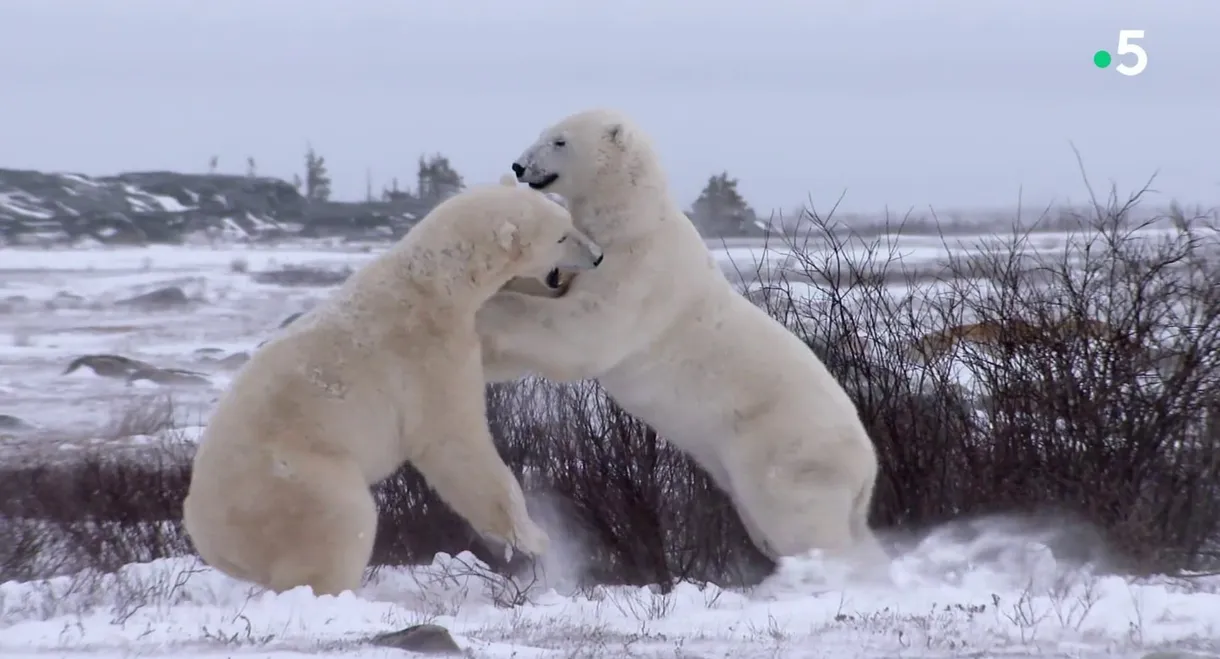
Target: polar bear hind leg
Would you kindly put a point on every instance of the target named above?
(326, 536)
(794, 514)
(793, 503)
(720, 476)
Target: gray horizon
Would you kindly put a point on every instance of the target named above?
(950, 104)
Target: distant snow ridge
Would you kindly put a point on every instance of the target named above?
(39, 208)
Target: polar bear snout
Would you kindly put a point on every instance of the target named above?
(533, 176)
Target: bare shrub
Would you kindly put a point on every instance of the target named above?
(142, 416)
(94, 511)
(20, 553)
(1092, 393)
(641, 510)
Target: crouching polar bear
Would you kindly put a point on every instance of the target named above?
(669, 338)
(387, 370)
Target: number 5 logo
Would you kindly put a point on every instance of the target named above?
(1125, 47)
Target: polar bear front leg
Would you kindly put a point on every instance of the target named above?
(460, 462)
(499, 366)
(564, 339)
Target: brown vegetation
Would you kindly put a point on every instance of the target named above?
(1017, 334)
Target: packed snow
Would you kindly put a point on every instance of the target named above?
(999, 595)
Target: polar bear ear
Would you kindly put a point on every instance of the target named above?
(617, 134)
(506, 236)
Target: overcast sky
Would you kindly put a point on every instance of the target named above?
(950, 103)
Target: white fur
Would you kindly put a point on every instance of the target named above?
(388, 370)
(670, 339)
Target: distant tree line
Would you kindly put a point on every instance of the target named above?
(719, 211)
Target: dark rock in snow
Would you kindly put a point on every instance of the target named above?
(9, 422)
(424, 639)
(170, 377)
(218, 357)
(134, 370)
(162, 299)
(290, 319)
(207, 353)
(302, 276)
(233, 361)
(109, 366)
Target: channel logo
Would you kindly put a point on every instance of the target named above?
(1126, 46)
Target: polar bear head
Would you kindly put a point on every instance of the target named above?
(588, 155)
(539, 248)
(557, 280)
(489, 234)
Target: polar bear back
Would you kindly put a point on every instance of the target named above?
(322, 388)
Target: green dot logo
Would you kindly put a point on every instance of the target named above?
(1136, 58)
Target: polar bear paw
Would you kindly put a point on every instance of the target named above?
(530, 539)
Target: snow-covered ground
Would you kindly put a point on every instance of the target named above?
(58, 304)
(1000, 594)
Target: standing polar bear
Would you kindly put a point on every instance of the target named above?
(388, 370)
(669, 338)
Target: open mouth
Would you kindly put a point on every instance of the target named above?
(552, 278)
(542, 184)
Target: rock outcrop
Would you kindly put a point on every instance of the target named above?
(141, 208)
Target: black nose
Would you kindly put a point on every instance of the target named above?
(518, 170)
(598, 260)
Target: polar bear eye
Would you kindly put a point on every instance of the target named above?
(563, 239)
(560, 142)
